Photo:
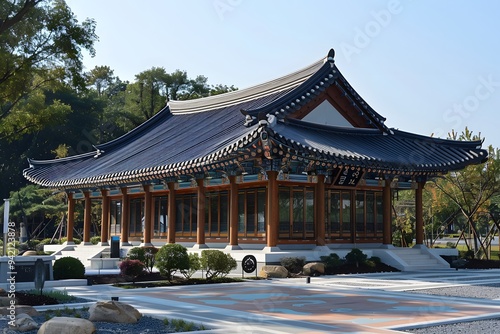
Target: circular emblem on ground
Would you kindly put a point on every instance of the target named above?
(249, 264)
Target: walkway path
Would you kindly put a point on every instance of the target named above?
(370, 303)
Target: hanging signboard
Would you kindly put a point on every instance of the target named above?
(348, 177)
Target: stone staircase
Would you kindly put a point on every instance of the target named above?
(412, 259)
(83, 253)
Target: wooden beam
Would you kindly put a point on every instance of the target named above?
(233, 211)
(104, 217)
(419, 224)
(272, 209)
(148, 222)
(87, 218)
(386, 196)
(171, 213)
(319, 207)
(71, 217)
(125, 223)
(200, 226)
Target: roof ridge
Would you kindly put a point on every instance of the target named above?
(247, 94)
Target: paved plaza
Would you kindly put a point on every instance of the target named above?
(365, 303)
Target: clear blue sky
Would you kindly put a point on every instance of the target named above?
(427, 66)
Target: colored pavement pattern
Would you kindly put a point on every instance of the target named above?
(375, 303)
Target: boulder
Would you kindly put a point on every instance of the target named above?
(114, 311)
(67, 325)
(5, 301)
(24, 323)
(314, 269)
(30, 253)
(273, 272)
(20, 309)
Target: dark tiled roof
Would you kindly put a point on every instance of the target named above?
(372, 148)
(189, 137)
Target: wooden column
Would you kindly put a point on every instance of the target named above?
(148, 200)
(171, 213)
(71, 218)
(272, 209)
(233, 211)
(386, 196)
(200, 226)
(319, 207)
(419, 224)
(104, 217)
(87, 218)
(125, 223)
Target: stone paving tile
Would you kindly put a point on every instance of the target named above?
(368, 305)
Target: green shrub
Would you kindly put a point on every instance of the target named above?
(356, 256)
(68, 268)
(293, 264)
(75, 240)
(194, 265)
(375, 259)
(331, 262)
(22, 247)
(146, 255)
(469, 254)
(216, 263)
(48, 241)
(32, 243)
(170, 258)
(132, 268)
(95, 239)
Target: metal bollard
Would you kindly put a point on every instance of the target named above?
(308, 279)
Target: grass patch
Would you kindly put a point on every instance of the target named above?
(176, 282)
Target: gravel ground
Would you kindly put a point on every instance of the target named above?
(490, 291)
(145, 325)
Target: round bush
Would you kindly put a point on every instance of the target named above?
(170, 258)
(95, 239)
(68, 268)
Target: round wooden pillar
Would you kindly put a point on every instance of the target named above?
(171, 213)
(319, 206)
(272, 209)
(87, 218)
(71, 218)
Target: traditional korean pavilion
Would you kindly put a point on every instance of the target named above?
(302, 159)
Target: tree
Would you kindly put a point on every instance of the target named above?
(471, 190)
(41, 46)
(170, 258)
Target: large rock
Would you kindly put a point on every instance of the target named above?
(313, 269)
(20, 309)
(273, 272)
(30, 253)
(67, 325)
(113, 311)
(24, 323)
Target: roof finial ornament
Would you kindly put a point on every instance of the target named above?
(331, 55)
